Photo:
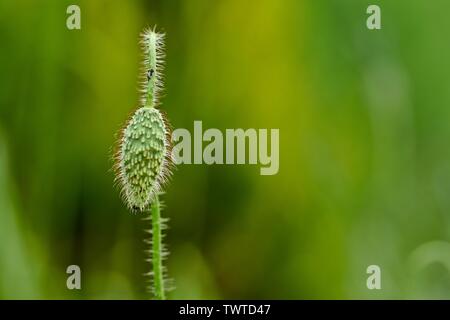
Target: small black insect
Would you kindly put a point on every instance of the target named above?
(150, 74)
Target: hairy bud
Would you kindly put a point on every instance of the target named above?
(143, 157)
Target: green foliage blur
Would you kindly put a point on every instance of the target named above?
(364, 160)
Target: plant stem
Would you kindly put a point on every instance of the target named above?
(157, 251)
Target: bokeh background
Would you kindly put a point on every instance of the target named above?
(364, 159)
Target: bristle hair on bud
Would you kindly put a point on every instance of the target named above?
(143, 161)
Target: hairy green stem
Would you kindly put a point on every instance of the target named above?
(143, 158)
(157, 250)
(151, 64)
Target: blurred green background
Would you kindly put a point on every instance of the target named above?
(364, 160)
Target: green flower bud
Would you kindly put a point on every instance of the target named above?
(143, 157)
